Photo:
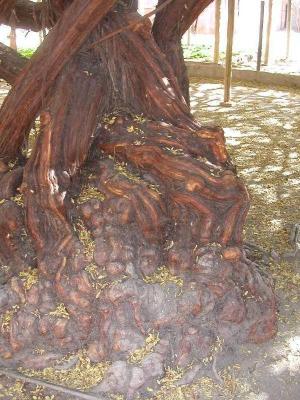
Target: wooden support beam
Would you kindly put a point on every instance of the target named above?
(217, 30)
(13, 38)
(269, 30)
(261, 32)
(228, 66)
(288, 29)
(189, 37)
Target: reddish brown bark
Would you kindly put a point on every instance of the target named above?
(58, 154)
(169, 26)
(177, 17)
(26, 14)
(18, 112)
(115, 123)
(11, 64)
(197, 189)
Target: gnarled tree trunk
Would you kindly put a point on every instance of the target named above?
(123, 193)
(169, 26)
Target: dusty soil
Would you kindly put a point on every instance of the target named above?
(262, 130)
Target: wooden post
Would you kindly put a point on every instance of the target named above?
(13, 38)
(269, 30)
(261, 31)
(228, 67)
(288, 28)
(13, 33)
(189, 37)
(41, 37)
(217, 30)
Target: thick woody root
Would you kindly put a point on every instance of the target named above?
(210, 192)
(45, 183)
(136, 227)
(11, 63)
(16, 252)
(139, 286)
(168, 32)
(133, 296)
(137, 242)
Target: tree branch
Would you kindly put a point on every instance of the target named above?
(6, 6)
(175, 19)
(22, 13)
(63, 41)
(169, 25)
(11, 64)
(26, 14)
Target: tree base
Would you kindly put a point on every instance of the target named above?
(134, 306)
(128, 244)
(143, 324)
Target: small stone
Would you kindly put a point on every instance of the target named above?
(189, 376)
(32, 295)
(3, 297)
(162, 347)
(128, 341)
(192, 331)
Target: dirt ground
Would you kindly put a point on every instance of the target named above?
(263, 136)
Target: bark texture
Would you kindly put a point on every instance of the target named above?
(25, 99)
(131, 219)
(11, 64)
(26, 14)
(169, 26)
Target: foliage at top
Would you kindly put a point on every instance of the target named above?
(27, 53)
